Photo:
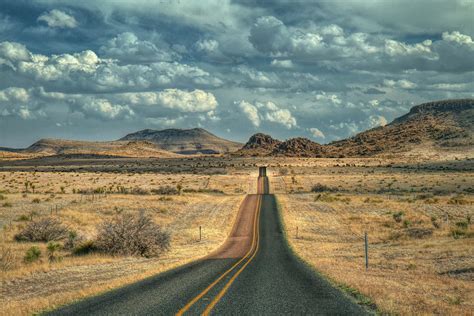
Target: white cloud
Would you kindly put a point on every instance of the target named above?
(316, 133)
(377, 120)
(332, 98)
(104, 109)
(285, 63)
(127, 47)
(87, 72)
(208, 46)
(250, 111)
(58, 19)
(267, 111)
(402, 83)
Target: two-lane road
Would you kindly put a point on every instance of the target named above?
(252, 273)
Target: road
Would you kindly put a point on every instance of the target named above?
(252, 273)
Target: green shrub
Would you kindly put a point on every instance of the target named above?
(457, 233)
(84, 248)
(33, 254)
(398, 217)
(462, 224)
(52, 248)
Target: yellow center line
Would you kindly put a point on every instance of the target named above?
(216, 299)
(207, 289)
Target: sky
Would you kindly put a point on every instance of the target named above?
(325, 70)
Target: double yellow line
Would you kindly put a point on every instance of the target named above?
(250, 255)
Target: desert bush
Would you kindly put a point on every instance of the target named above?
(7, 204)
(166, 190)
(216, 191)
(462, 224)
(36, 201)
(283, 171)
(23, 218)
(84, 247)
(419, 232)
(53, 248)
(47, 229)
(73, 239)
(33, 254)
(318, 187)
(398, 217)
(458, 200)
(7, 259)
(2, 197)
(135, 235)
(457, 233)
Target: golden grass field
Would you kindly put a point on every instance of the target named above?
(416, 265)
(33, 287)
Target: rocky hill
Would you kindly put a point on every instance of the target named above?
(436, 126)
(185, 141)
(439, 125)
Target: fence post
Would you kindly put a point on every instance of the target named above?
(366, 252)
(200, 233)
(296, 232)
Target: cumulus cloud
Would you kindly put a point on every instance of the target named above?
(250, 111)
(285, 63)
(332, 98)
(183, 101)
(316, 133)
(331, 47)
(267, 111)
(87, 72)
(127, 47)
(58, 19)
(402, 83)
(377, 120)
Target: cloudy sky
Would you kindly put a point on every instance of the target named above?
(325, 70)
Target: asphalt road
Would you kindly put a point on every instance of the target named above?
(253, 273)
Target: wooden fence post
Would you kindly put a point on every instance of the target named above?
(366, 252)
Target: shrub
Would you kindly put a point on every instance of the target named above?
(36, 201)
(84, 248)
(457, 233)
(2, 197)
(419, 232)
(7, 204)
(462, 224)
(165, 190)
(318, 187)
(398, 217)
(52, 248)
(33, 254)
(47, 229)
(7, 259)
(23, 218)
(132, 235)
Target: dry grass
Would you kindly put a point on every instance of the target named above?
(409, 274)
(48, 284)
